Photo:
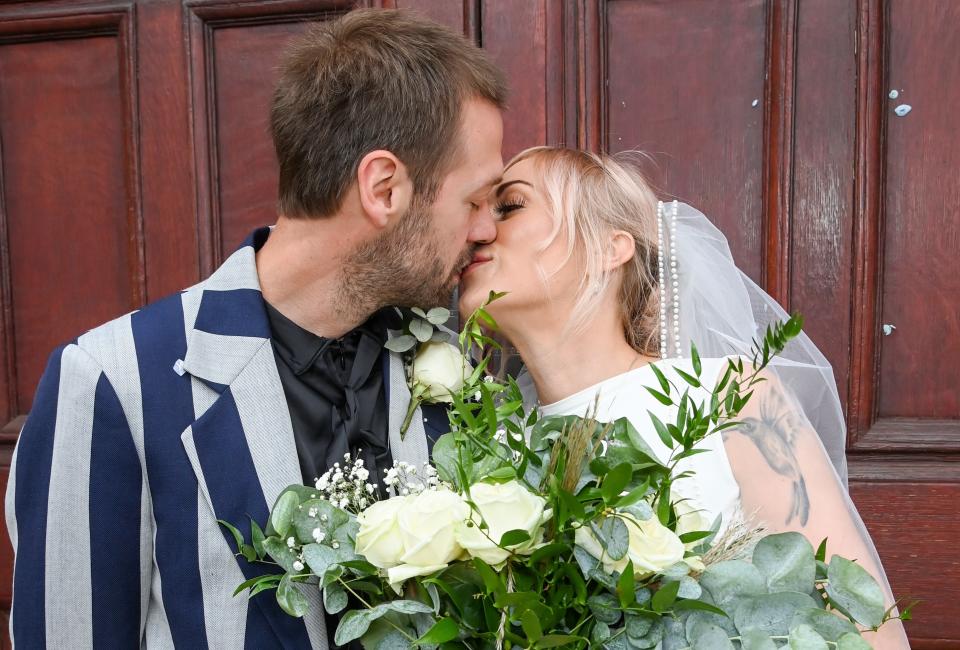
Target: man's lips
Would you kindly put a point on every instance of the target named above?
(477, 261)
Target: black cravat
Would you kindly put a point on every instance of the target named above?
(334, 390)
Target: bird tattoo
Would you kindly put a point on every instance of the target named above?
(774, 434)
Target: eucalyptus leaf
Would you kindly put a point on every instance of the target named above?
(637, 626)
(600, 632)
(710, 637)
(605, 608)
(281, 517)
(421, 329)
(650, 639)
(353, 625)
(438, 315)
(804, 637)
(696, 621)
(828, 625)
(281, 553)
(334, 598)
(320, 558)
(401, 343)
(772, 613)
(754, 639)
(855, 591)
(786, 561)
(613, 536)
(326, 517)
(852, 641)
(731, 579)
(290, 598)
(689, 588)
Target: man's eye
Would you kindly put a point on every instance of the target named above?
(474, 206)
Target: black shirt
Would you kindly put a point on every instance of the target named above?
(335, 394)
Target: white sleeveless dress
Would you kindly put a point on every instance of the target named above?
(712, 489)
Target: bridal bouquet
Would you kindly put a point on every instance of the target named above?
(556, 532)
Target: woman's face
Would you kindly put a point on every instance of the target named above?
(537, 279)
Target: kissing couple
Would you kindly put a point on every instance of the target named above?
(393, 193)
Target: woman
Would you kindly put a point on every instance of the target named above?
(603, 282)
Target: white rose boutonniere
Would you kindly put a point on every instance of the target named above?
(436, 369)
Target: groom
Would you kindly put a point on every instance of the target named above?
(205, 405)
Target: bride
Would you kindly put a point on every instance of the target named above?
(604, 283)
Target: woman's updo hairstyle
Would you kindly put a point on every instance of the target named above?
(590, 195)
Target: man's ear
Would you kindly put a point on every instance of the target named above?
(620, 249)
(384, 186)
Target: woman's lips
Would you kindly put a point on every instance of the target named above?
(477, 261)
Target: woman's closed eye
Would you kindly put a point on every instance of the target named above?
(508, 205)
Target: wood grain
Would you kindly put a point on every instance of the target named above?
(683, 79)
(921, 215)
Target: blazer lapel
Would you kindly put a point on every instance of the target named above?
(412, 446)
(242, 448)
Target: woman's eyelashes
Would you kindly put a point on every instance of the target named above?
(508, 205)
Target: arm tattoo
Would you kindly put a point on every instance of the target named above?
(774, 434)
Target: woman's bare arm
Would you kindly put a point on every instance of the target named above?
(786, 478)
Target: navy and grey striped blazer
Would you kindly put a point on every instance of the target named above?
(144, 432)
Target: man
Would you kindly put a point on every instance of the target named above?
(205, 405)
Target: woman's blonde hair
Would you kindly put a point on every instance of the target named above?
(589, 196)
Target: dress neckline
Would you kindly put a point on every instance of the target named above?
(610, 384)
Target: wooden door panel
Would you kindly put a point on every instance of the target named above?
(136, 155)
(686, 85)
(72, 232)
(921, 215)
(913, 532)
(244, 64)
(821, 190)
(233, 52)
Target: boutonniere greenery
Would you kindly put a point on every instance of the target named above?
(436, 369)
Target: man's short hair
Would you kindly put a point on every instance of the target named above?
(373, 79)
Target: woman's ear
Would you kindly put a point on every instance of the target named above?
(384, 187)
(620, 250)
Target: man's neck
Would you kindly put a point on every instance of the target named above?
(299, 270)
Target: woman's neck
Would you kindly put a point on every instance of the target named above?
(562, 363)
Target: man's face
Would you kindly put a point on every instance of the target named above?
(462, 217)
(418, 263)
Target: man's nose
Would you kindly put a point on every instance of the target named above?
(483, 229)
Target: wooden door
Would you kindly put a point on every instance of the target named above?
(134, 155)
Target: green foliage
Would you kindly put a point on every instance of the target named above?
(598, 480)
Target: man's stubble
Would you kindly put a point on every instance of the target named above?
(402, 267)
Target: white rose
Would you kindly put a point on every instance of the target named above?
(504, 506)
(652, 546)
(425, 526)
(378, 539)
(690, 518)
(441, 369)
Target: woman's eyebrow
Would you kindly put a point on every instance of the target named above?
(504, 186)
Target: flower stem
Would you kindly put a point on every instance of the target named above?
(502, 631)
